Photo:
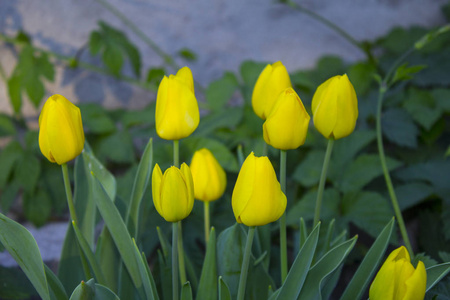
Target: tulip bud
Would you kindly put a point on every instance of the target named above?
(397, 278)
(209, 177)
(177, 114)
(287, 124)
(173, 192)
(335, 107)
(271, 82)
(257, 197)
(61, 135)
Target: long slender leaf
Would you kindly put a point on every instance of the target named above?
(23, 248)
(368, 266)
(144, 273)
(224, 291)
(297, 275)
(92, 291)
(186, 291)
(436, 273)
(207, 289)
(109, 258)
(57, 290)
(150, 276)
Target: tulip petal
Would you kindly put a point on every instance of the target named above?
(244, 186)
(156, 188)
(258, 96)
(347, 108)
(325, 108)
(383, 286)
(416, 284)
(173, 189)
(187, 176)
(185, 75)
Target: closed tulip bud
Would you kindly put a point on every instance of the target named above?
(177, 114)
(61, 135)
(271, 82)
(398, 280)
(287, 124)
(173, 192)
(335, 107)
(209, 177)
(257, 197)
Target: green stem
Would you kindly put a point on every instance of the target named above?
(174, 261)
(207, 226)
(176, 153)
(245, 263)
(181, 255)
(387, 177)
(283, 242)
(323, 179)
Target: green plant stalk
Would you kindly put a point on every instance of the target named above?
(245, 263)
(207, 223)
(387, 177)
(323, 178)
(176, 153)
(174, 261)
(283, 242)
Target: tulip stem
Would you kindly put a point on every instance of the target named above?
(245, 263)
(181, 255)
(283, 242)
(174, 261)
(176, 153)
(387, 177)
(206, 209)
(323, 178)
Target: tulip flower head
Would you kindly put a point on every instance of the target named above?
(208, 175)
(271, 82)
(257, 197)
(335, 107)
(398, 280)
(177, 114)
(61, 135)
(287, 124)
(173, 192)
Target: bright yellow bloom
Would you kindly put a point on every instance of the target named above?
(398, 280)
(209, 177)
(257, 197)
(177, 114)
(335, 107)
(287, 124)
(271, 82)
(173, 192)
(61, 135)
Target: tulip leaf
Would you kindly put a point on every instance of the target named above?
(186, 291)
(224, 292)
(146, 275)
(219, 92)
(57, 290)
(369, 265)
(207, 289)
(23, 248)
(299, 270)
(92, 291)
(321, 272)
(436, 273)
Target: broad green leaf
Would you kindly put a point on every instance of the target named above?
(399, 40)
(113, 59)
(57, 290)
(399, 128)
(95, 119)
(308, 171)
(441, 98)
(28, 170)
(155, 75)
(207, 289)
(23, 248)
(361, 76)
(187, 54)
(95, 42)
(15, 92)
(249, 71)
(369, 265)
(92, 291)
(227, 118)
(8, 158)
(411, 194)
(186, 291)
(118, 147)
(37, 207)
(134, 57)
(7, 127)
(219, 92)
(436, 273)
(224, 292)
(320, 273)
(297, 274)
(35, 90)
(422, 107)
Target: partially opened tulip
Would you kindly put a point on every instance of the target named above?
(61, 135)
(335, 107)
(398, 280)
(271, 82)
(177, 114)
(286, 126)
(257, 197)
(173, 192)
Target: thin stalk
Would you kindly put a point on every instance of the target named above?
(387, 177)
(176, 153)
(207, 226)
(182, 265)
(174, 261)
(245, 263)
(283, 242)
(323, 178)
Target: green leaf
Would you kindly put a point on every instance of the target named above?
(436, 273)
(399, 128)
(27, 171)
(320, 273)
(155, 75)
(145, 274)
(361, 76)
(113, 59)
(207, 289)
(37, 207)
(186, 291)
(92, 291)
(308, 171)
(363, 170)
(8, 159)
(15, 92)
(369, 265)
(95, 42)
(404, 72)
(134, 58)
(187, 54)
(109, 258)
(226, 118)
(224, 292)
(7, 127)
(118, 147)
(422, 107)
(23, 248)
(296, 277)
(441, 98)
(57, 290)
(399, 40)
(219, 92)
(411, 194)
(96, 120)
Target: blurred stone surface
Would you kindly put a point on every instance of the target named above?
(222, 33)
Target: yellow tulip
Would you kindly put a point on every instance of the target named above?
(286, 126)
(271, 82)
(173, 192)
(335, 107)
(177, 114)
(398, 280)
(257, 197)
(209, 177)
(61, 135)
